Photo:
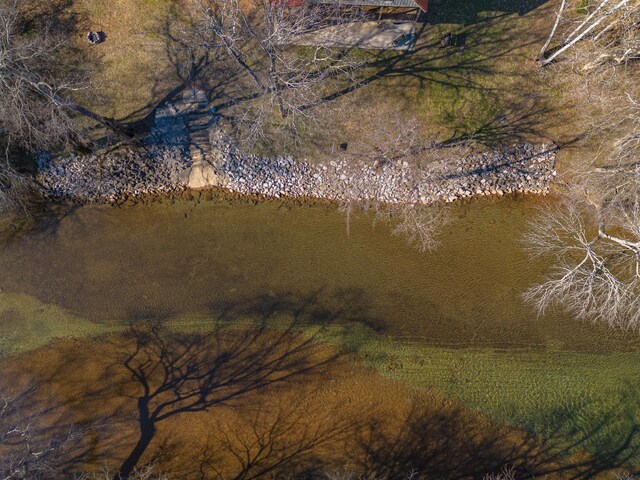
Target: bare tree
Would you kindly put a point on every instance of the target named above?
(24, 453)
(262, 40)
(37, 83)
(559, 15)
(594, 240)
(596, 275)
(611, 26)
(13, 189)
(147, 472)
(420, 225)
(593, 237)
(507, 473)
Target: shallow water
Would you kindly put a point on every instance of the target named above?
(106, 264)
(452, 321)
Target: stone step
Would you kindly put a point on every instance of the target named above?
(201, 135)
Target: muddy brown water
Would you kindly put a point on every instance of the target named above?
(222, 257)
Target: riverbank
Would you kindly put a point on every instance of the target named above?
(109, 177)
(153, 169)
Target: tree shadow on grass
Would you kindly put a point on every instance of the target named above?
(274, 441)
(172, 373)
(482, 72)
(608, 429)
(442, 441)
(515, 126)
(152, 374)
(457, 70)
(264, 393)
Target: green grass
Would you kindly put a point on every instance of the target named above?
(575, 401)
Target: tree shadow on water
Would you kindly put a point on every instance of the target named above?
(264, 399)
(320, 307)
(179, 373)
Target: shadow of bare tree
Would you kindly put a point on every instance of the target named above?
(254, 395)
(441, 441)
(320, 307)
(178, 373)
(274, 442)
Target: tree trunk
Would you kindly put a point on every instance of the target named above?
(553, 31)
(147, 432)
(281, 107)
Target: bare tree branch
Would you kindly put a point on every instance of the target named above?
(605, 19)
(286, 81)
(37, 84)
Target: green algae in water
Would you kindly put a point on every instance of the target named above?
(453, 321)
(27, 323)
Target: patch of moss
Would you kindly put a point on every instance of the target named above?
(27, 323)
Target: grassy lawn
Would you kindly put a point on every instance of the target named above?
(133, 67)
(573, 401)
(488, 87)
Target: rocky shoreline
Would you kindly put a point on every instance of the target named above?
(128, 173)
(522, 168)
(109, 177)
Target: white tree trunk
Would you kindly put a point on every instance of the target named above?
(580, 36)
(553, 31)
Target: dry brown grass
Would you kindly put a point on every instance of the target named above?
(133, 68)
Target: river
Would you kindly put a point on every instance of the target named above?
(460, 305)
